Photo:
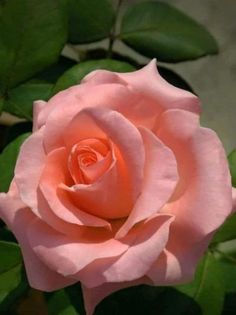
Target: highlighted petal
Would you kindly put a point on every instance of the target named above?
(163, 93)
(160, 179)
(68, 255)
(150, 240)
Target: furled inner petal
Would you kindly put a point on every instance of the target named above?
(88, 160)
(54, 174)
(109, 196)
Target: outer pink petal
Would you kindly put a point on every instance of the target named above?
(102, 77)
(103, 123)
(68, 255)
(203, 198)
(93, 296)
(38, 106)
(18, 218)
(54, 174)
(150, 240)
(29, 166)
(160, 179)
(149, 82)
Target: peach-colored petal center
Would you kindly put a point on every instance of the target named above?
(88, 160)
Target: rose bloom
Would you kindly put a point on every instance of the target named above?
(117, 186)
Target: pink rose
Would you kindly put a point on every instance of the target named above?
(118, 185)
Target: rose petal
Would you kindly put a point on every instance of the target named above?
(178, 262)
(29, 166)
(160, 178)
(101, 77)
(109, 197)
(165, 95)
(18, 217)
(103, 123)
(58, 116)
(55, 173)
(93, 296)
(203, 198)
(68, 255)
(150, 240)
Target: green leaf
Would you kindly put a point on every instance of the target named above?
(229, 270)
(8, 160)
(52, 73)
(156, 29)
(74, 293)
(78, 72)
(32, 35)
(6, 235)
(20, 99)
(89, 20)
(227, 231)
(149, 300)
(232, 166)
(12, 280)
(10, 256)
(59, 304)
(207, 289)
(1, 104)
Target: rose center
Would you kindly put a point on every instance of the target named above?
(88, 160)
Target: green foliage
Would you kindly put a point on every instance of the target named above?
(232, 166)
(8, 160)
(32, 35)
(12, 280)
(78, 72)
(207, 289)
(156, 29)
(59, 304)
(20, 99)
(227, 231)
(89, 20)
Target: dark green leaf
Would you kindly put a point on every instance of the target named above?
(207, 289)
(144, 299)
(18, 129)
(1, 104)
(229, 304)
(12, 280)
(76, 73)
(59, 304)
(226, 255)
(32, 35)
(89, 20)
(227, 231)
(74, 293)
(156, 29)
(6, 235)
(7, 162)
(52, 73)
(10, 256)
(232, 166)
(20, 99)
